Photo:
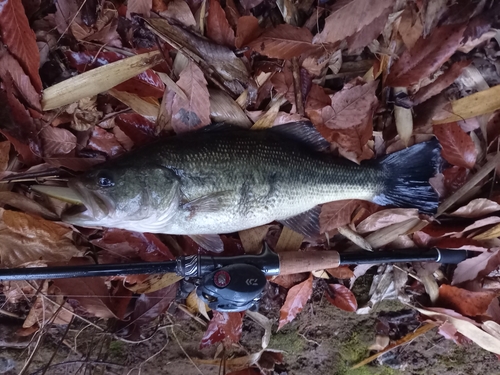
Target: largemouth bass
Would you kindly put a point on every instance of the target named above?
(226, 179)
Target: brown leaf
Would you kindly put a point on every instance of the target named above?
(223, 327)
(139, 7)
(123, 245)
(288, 281)
(179, 11)
(385, 218)
(249, 4)
(20, 39)
(349, 17)
(193, 113)
(464, 301)
(4, 155)
(138, 128)
(10, 66)
(368, 33)
(339, 213)
(410, 27)
(341, 297)
(57, 141)
(457, 146)
(476, 267)
(247, 30)
(295, 301)
(443, 81)
(218, 28)
(426, 56)
(476, 208)
(105, 142)
(284, 42)
(341, 272)
(25, 204)
(147, 308)
(25, 238)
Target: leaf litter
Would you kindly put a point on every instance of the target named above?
(134, 73)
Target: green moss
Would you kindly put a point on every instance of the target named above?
(116, 349)
(289, 341)
(354, 349)
(457, 357)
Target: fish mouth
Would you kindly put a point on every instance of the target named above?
(91, 209)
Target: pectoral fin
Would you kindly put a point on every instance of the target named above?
(306, 223)
(207, 203)
(210, 242)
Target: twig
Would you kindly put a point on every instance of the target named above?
(12, 315)
(297, 86)
(150, 358)
(58, 346)
(185, 353)
(97, 363)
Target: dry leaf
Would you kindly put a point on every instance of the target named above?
(247, 30)
(179, 11)
(476, 267)
(385, 218)
(284, 42)
(457, 147)
(341, 297)
(193, 113)
(342, 272)
(57, 141)
(464, 301)
(224, 327)
(477, 208)
(349, 17)
(296, 299)
(218, 28)
(340, 213)
(142, 7)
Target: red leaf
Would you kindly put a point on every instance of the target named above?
(284, 42)
(147, 308)
(454, 178)
(295, 301)
(218, 28)
(464, 301)
(340, 213)
(106, 142)
(341, 297)
(247, 30)
(9, 65)
(146, 84)
(443, 81)
(368, 33)
(125, 245)
(426, 56)
(349, 17)
(223, 327)
(193, 113)
(57, 141)
(138, 128)
(20, 39)
(75, 163)
(457, 146)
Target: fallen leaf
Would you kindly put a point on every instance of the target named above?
(369, 32)
(25, 204)
(465, 301)
(4, 155)
(25, 238)
(288, 281)
(247, 371)
(218, 28)
(147, 308)
(480, 103)
(106, 142)
(348, 17)
(477, 208)
(489, 234)
(442, 82)
(193, 113)
(457, 146)
(295, 301)
(142, 7)
(410, 27)
(384, 218)
(476, 267)
(284, 42)
(341, 272)
(223, 327)
(247, 30)
(339, 213)
(43, 311)
(123, 245)
(426, 56)
(138, 128)
(179, 11)
(57, 141)
(341, 297)
(20, 39)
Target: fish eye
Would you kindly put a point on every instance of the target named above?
(105, 180)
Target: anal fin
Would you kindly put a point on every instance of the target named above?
(210, 242)
(306, 223)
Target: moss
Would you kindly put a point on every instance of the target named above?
(457, 357)
(289, 341)
(353, 349)
(116, 349)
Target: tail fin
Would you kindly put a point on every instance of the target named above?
(406, 177)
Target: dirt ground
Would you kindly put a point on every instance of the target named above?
(322, 340)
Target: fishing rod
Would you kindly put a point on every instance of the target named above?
(236, 283)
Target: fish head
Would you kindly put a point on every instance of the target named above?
(123, 197)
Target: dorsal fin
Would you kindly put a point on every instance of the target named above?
(305, 132)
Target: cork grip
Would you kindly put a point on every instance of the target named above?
(306, 261)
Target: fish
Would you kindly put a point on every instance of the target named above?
(224, 179)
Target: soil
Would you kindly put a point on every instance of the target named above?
(321, 340)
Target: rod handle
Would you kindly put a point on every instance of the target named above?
(307, 261)
(452, 256)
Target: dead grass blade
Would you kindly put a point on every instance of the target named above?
(98, 80)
